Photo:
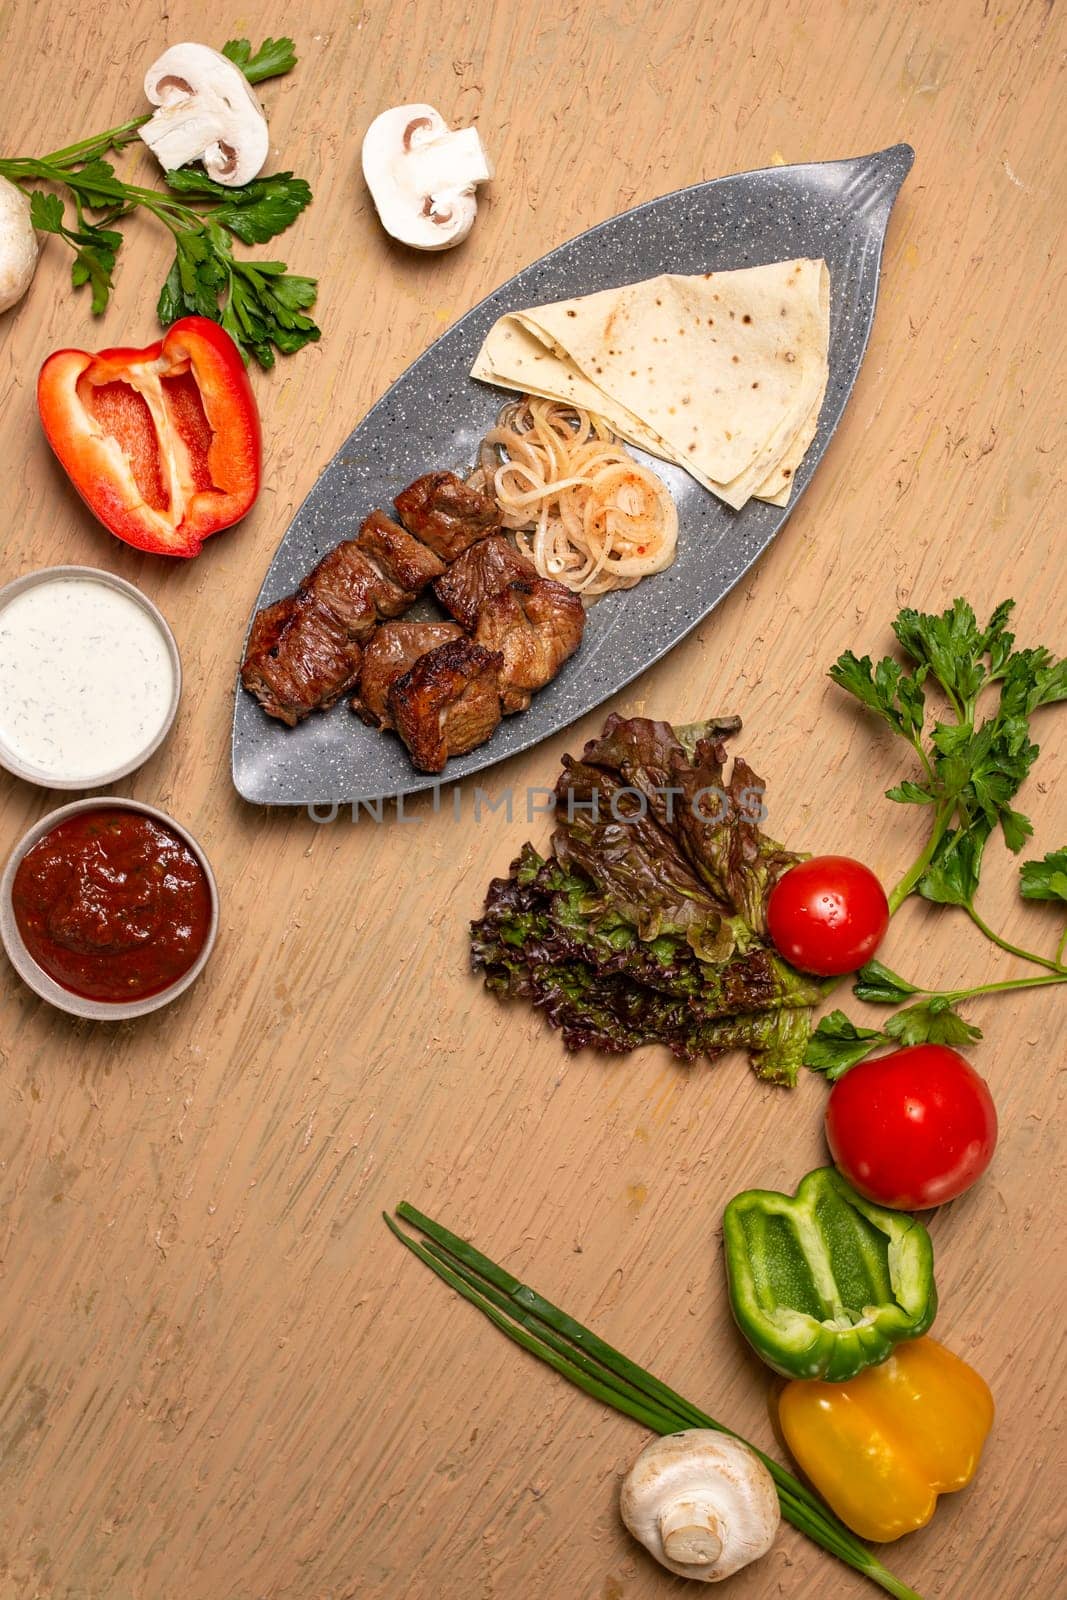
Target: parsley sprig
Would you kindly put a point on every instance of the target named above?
(273, 59)
(260, 304)
(973, 753)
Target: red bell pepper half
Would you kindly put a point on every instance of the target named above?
(162, 444)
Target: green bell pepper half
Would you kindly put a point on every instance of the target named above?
(824, 1283)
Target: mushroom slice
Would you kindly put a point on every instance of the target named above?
(702, 1503)
(422, 176)
(207, 112)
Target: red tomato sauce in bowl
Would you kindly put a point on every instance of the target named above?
(112, 905)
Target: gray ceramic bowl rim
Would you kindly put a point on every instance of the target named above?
(47, 780)
(37, 979)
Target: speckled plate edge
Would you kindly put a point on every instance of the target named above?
(47, 780)
(853, 196)
(35, 978)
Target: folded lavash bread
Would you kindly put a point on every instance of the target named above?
(723, 373)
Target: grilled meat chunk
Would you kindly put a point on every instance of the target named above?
(447, 514)
(480, 572)
(346, 583)
(447, 703)
(300, 657)
(535, 624)
(304, 651)
(391, 652)
(399, 557)
(267, 625)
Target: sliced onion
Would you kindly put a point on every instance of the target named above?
(581, 508)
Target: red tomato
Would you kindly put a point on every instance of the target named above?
(912, 1129)
(828, 915)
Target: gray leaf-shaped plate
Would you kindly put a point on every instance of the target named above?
(435, 415)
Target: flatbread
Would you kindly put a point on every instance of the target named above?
(778, 485)
(515, 357)
(723, 373)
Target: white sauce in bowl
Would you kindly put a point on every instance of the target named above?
(87, 680)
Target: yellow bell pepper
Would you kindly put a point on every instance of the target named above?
(881, 1447)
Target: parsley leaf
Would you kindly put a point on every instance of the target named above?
(264, 208)
(996, 642)
(254, 213)
(885, 688)
(973, 769)
(96, 185)
(876, 983)
(1045, 879)
(952, 877)
(908, 793)
(273, 58)
(838, 1044)
(931, 1021)
(46, 212)
(95, 248)
(1034, 678)
(950, 646)
(259, 303)
(96, 251)
(267, 305)
(976, 753)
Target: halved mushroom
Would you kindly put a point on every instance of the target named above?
(207, 112)
(422, 176)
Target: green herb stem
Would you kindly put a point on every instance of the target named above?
(99, 144)
(51, 169)
(928, 766)
(917, 870)
(260, 305)
(971, 772)
(60, 165)
(1004, 987)
(1012, 949)
(585, 1360)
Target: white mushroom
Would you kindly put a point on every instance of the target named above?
(18, 245)
(702, 1503)
(207, 112)
(422, 176)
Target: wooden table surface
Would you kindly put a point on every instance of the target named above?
(220, 1378)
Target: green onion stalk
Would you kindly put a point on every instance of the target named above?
(585, 1360)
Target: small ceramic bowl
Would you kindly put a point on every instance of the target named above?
(22, 768)
(38, 980)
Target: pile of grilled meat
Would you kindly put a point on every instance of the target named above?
(443, 686)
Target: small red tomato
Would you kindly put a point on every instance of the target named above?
(912, 1129)
(828, 915)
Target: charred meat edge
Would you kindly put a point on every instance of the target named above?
(448, 702)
